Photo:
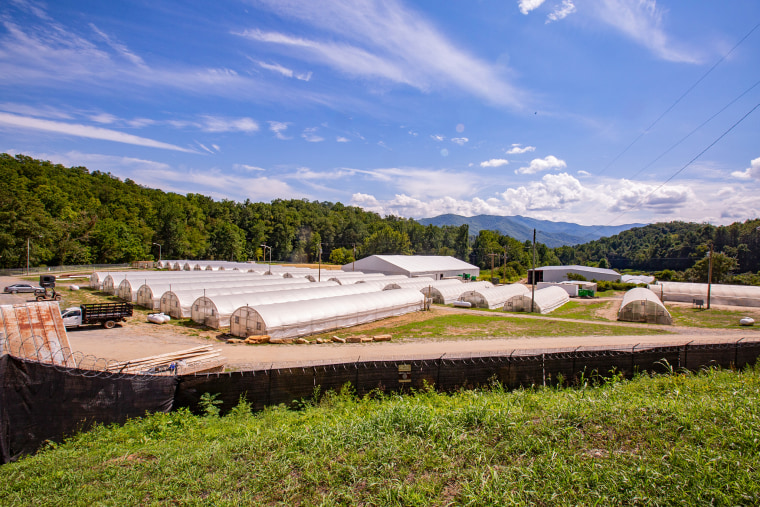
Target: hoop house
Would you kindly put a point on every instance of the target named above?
(643, 305)
(217, 310)
(447, 294)
(546, 301)
(493, 297)
(730, 295)
(302, 318)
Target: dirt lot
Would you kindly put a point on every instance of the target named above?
(139, 338)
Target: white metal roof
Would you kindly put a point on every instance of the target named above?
(588, 269)
(413, 263)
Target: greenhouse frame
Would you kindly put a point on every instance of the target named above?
(447, 294)
(493, 297)
(643, 305)
(546, 301)
(303, 318)
(729, 295)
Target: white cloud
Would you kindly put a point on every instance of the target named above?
(72, 129)
(208, 150)
(528, 5)
(341, 139)
(583, 174)
(630, 195)
(310, 134)
(104, 118)
(387, 40)
(437, 138)
(517, 149)
(41, 111)
(753, 171)
(279, 127)
(247, 167)
(561, 11)
(542, 164)
(120, 48)
(494, 162)
(461, 141)
(218, 124)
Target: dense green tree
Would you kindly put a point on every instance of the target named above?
(387, 241)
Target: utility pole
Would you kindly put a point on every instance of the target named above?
(505, 263)
(491, 255)
(709, 274)
(320, 263)
(353, 264)
(533, 277)
(27, 256)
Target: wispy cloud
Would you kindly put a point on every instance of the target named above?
(494, 162)
(341, 139)
(310, 134)
(641, 21)
(561, 11)
(219, 124)
(279, 127)
(438, 138)
(542, 164)
(384, 39)
(77, 130)
(247, 167)
(461, 141)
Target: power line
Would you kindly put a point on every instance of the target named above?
(674, 104)
(640, 201)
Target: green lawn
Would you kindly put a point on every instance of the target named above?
(713, 318)
(649, 441)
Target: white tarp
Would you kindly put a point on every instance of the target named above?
(302, 318)
(730, 295)
(447, 294)
(217, 310)
(643, 305)
(546, 300)
(493, 297)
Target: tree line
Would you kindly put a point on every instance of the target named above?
(63, 216)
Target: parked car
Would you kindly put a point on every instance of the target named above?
(21, 287)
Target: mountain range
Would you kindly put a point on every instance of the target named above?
(552, 234)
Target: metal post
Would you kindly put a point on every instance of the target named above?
(159, 251)
(709, 275)
(27, 256)
(353, 264)
(533, 278)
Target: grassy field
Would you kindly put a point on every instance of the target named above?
(648, 441)
(685, 315)
(484, 325)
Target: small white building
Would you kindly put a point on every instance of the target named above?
(559, 274)
(436, 267)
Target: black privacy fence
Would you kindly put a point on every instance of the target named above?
(40, 402)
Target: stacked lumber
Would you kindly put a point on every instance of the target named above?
(196, 360)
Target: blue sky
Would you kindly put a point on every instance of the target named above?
(590, 111)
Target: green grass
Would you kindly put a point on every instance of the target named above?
(713, 318)
(582, 310)
(474, 326)
(648, 441)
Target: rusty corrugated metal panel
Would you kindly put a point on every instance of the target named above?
(35, 331)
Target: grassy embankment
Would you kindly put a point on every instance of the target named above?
(648, 441)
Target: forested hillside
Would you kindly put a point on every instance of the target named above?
(74, 216)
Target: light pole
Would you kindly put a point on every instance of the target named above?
(159, 251)
(319, 276)
(270, 256)
(27, 256)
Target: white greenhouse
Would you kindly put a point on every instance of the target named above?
(128, 288)
(546, 300)
(177, 302)
(447, 294)
(643, 305)
(416, 283)
(302, 318)
(149, 295)
(216, 310)
(729, 295)
(494, 297)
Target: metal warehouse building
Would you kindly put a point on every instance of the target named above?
(436, 267)
(559, 274)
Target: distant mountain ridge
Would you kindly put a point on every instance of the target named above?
(552, 234)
